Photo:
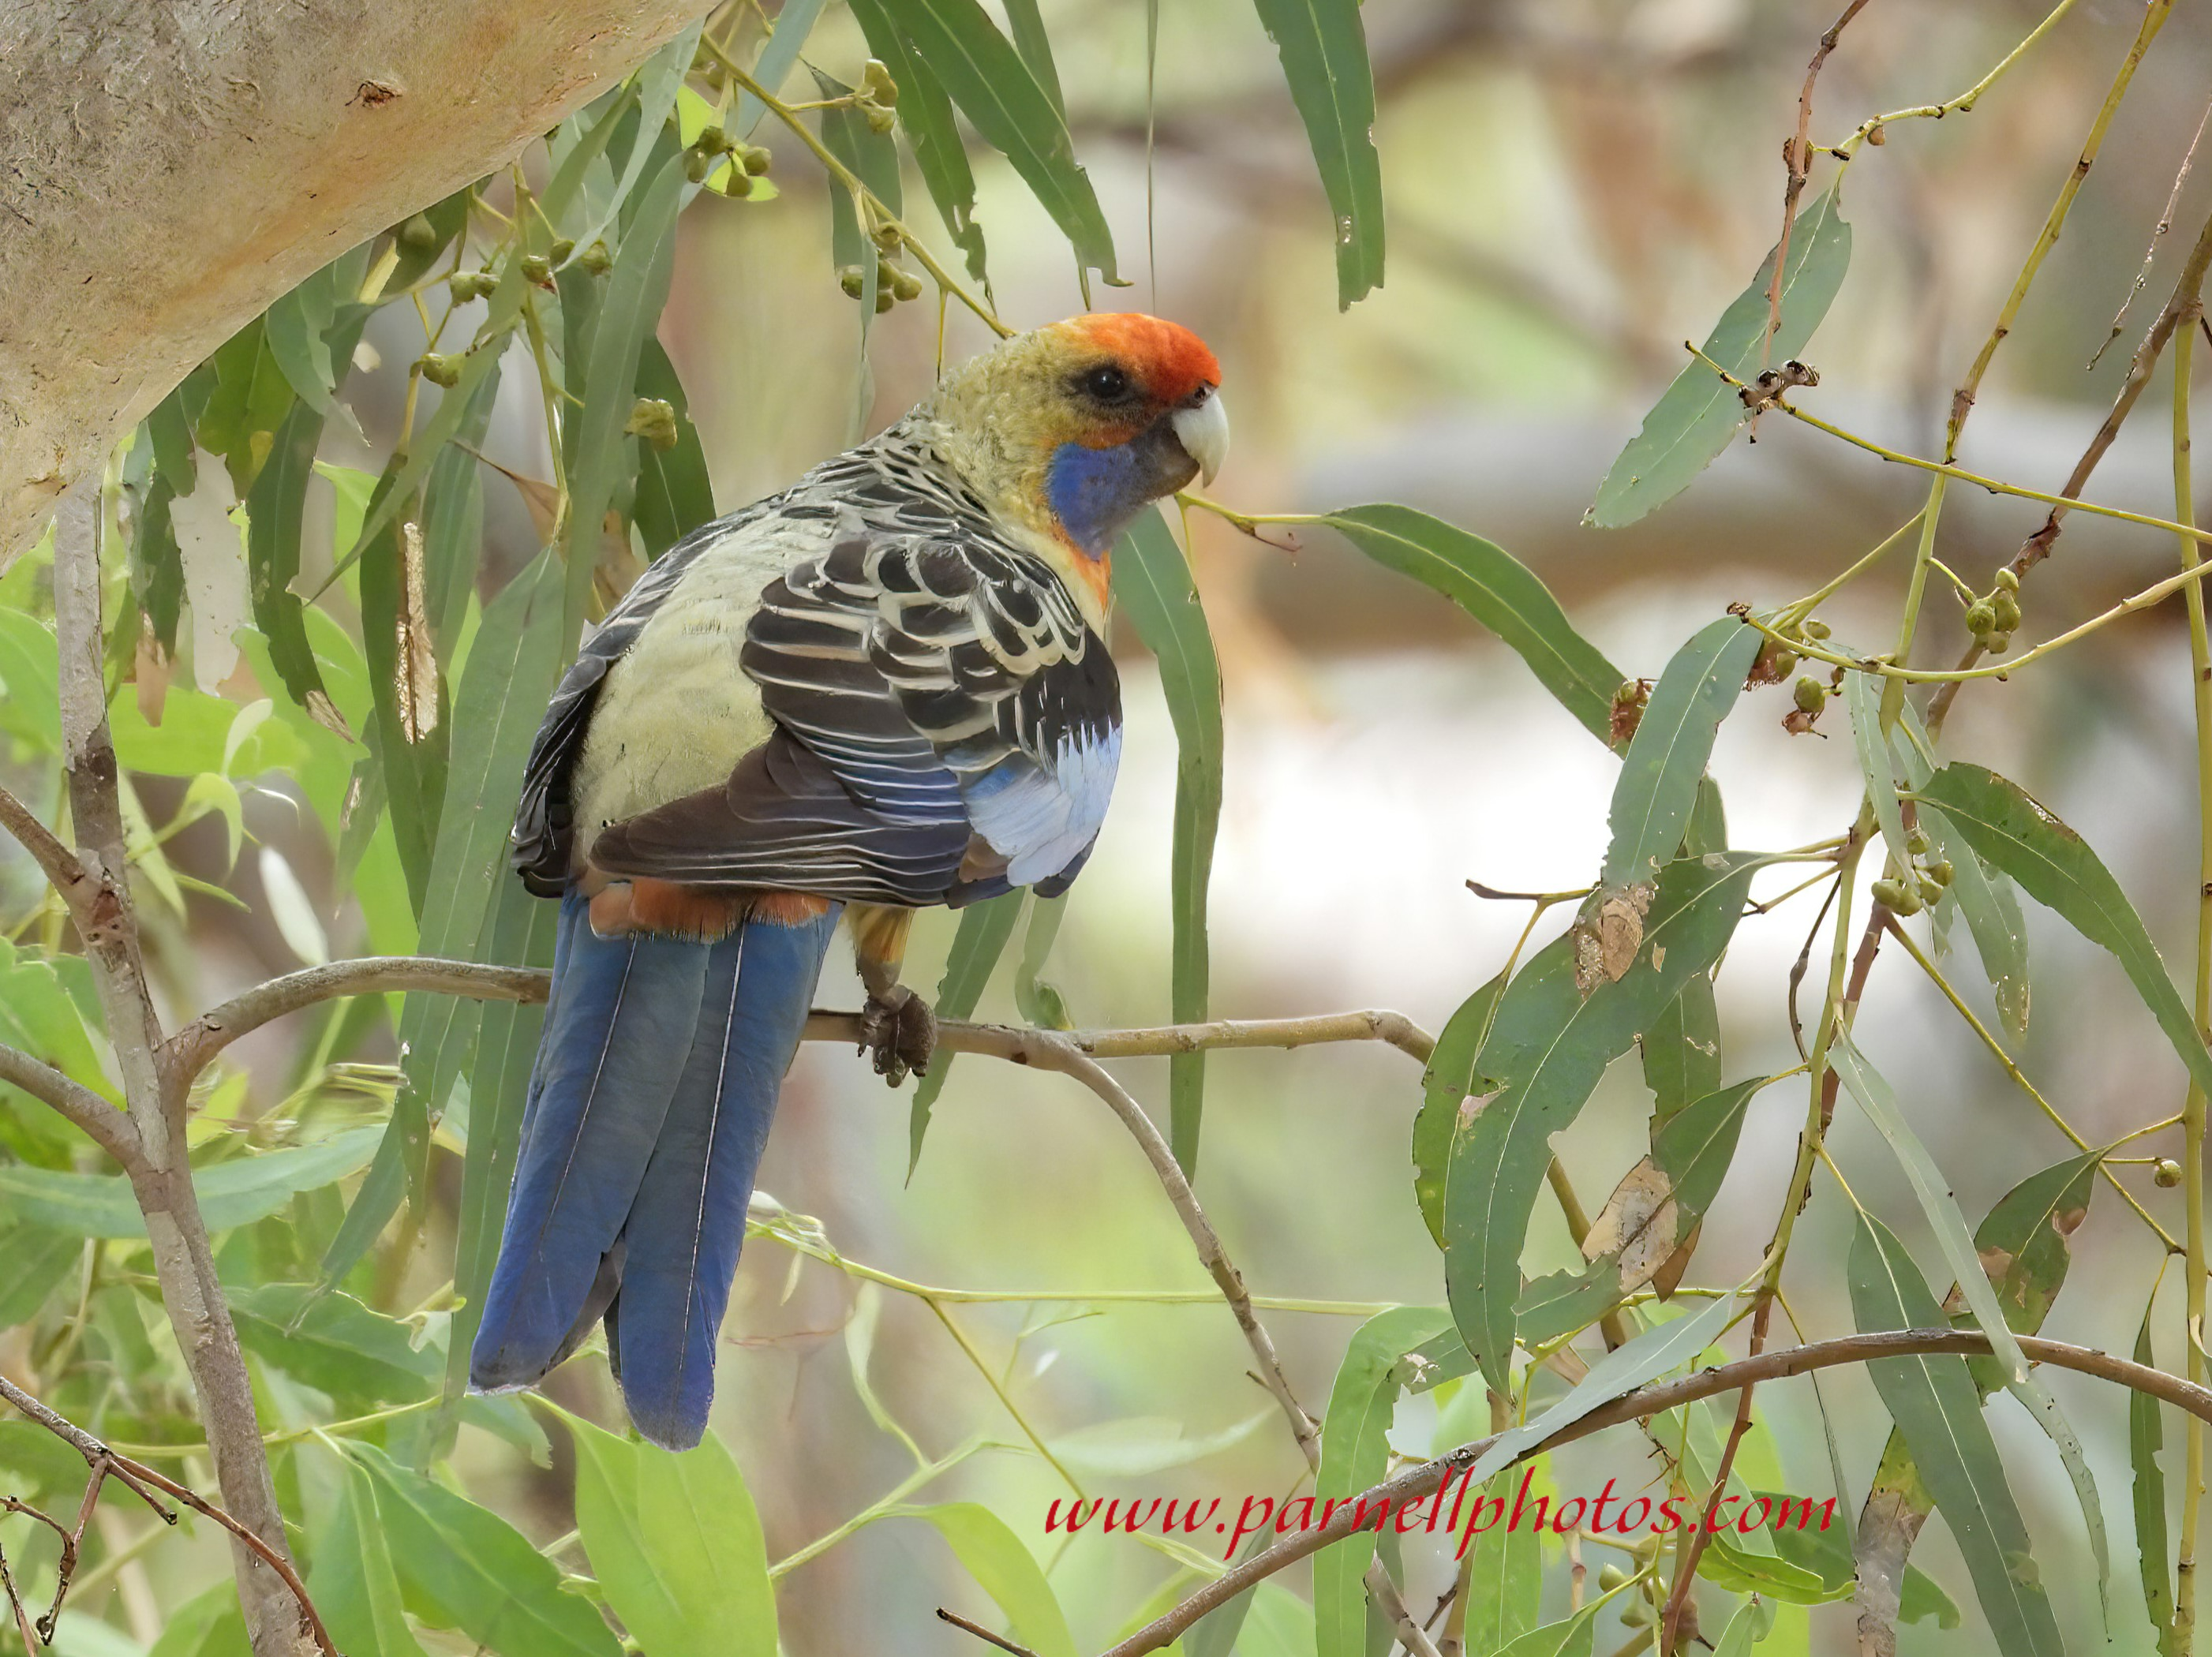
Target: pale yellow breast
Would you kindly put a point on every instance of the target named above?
(677, 713)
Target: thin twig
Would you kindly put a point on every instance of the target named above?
(1797, 160)
(982, 1633)
(100, 1121)
(2157, 235)
(1425, 1478)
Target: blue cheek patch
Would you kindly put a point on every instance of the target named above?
(1094, 493)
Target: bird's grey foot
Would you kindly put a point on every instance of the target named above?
(898, 1028)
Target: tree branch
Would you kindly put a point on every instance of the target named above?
(106, 1464)
(1428, 1476)
(175, 168)
(100, 1121)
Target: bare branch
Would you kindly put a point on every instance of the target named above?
(191, 1049)
(1428, 1477)
(106, 1464)
(982, 1633)
(106, 1126)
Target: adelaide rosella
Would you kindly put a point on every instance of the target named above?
(886, 687)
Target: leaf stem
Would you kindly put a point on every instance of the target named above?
(2193, 1107)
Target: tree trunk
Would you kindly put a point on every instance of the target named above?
(170, 168)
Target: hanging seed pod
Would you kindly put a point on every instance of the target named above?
(537, 269)
(465, 285)
(439, 369)
(712, 140)
(1940, 871)
(906, 285)
(737, 183)
(876, 83)
(1809, 694)
(596, 259)
(755, 160)
(697, 166)
(654, 419)
(2008, 577)
(852, 280)
(1816, 629)
(1981, 618)
(419, 233)
(2167, 1174)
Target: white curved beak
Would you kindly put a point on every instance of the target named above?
(1204, 433)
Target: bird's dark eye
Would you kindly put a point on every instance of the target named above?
(1106, 383)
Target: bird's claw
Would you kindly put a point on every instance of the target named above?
(899, 1029)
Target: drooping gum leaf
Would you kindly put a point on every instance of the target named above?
(675, 1542)
(506, 1045)
(792, 25)
(2146, 1439)
(925, 114)
(2012, 832)
(1682, 1050)
(1935, 1403)
(332, 1342)
(1547, 1047)
(1876, 767)
(464, 1567)
(235, 1192)
(1354, 1454)
(1153, 585)
(1665, 763)
(1699, 413)
(1449, 1079)
(986, 928)
(674, 496)
(352, 1584)
(1324, 52)
(1004, 1569)
(1499, 591)
(985, 75)
(636, 288)
(511, 673)
(1872, 1090)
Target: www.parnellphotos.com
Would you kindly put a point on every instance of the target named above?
(1638, 1516)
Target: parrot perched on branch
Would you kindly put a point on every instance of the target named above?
(886, 687)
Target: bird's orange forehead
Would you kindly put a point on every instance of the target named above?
(1172, 362)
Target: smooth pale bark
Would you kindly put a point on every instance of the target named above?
(170, 168)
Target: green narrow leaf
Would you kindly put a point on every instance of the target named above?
(274, 506)
(1324, 52)
(353, 1584)
(37, 1260)
(248, 399)
(1629, 1366)
(1354, 1454)
(1936, 1407)
(1665, 764)
(1877, 768)
(792, 25)
(925, 114)
(1699, 414)
(1986, 898)
(1546, 1049)
(2056, 867)
(1448, 1079)
(462, 1566)
(1152, 583)
(332, 1343)
(1499, 591)
(674, 496)
(1004, 1569)
(986, 928)
(413, 770)
(157, 562)
(453, 522)
(1682, 1051)
(1691, 1152)
(522, 930)
(657, 81)
(636, 289)
(512, 670)
(675, 1542)
(2146, 1440)
(1036, 48)
(1036, 998)
(986, 76)
(232, 1193)
(1872, 1090)
(1505, 1584)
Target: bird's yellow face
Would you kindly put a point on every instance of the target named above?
(1073, 429)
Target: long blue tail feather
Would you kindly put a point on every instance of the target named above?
(655, 1087)
(615, 1043)
(689, 1223)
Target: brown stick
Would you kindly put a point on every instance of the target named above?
(92, 1115)
(1797, 160)
(1427, 1478)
